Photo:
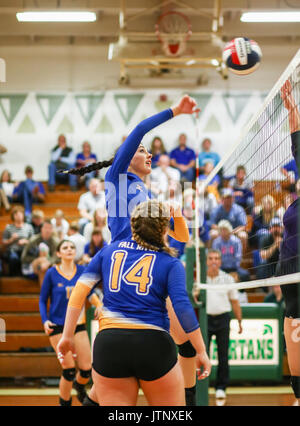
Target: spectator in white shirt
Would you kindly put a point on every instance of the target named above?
(77, 239)
(163, 176)
(60, 224)
(99, 221)
(91, 201)
(218, 306)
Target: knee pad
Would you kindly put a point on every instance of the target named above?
(295, 383)
(69, 374)
(85, 374)
(187, 350)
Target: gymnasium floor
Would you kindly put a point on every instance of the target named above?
(236, 396)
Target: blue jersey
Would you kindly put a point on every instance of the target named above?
(136, 283)
(58, 288)
(125, 190)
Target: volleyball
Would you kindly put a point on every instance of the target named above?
(242, 56)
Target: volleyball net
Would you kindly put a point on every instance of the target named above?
(259, 173)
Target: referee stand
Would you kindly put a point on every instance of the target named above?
(202, 386)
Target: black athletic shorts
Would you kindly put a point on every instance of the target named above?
(58, 329)
(289, 291)
(144, 354)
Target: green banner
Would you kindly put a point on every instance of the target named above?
(65, 126)
(11, 105)
(88, 105)
(104, 126)
(127, 105)
(49, 105)
(235, 104)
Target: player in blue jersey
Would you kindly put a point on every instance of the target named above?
(125, 189)
(57, 286)
(133, 347)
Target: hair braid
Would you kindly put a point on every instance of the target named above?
(149, 221)
(80, 171)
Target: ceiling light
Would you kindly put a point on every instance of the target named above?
(283, 16)
(55, 16)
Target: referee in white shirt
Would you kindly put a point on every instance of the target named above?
(218, 307)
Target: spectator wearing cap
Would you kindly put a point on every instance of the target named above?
(232, 212)
(29, 191)
(60, 224)
(269, 248)
(77, 239)
(230, 247)
(183, 159)
(207, 155)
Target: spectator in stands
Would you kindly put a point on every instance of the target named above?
(90, 201)
(210, 203)
(7, 184)
(207, 155)
(85, 158)
(287, 201)
(290, 171)
(91, 248)
(183, 159)
(262, 216)
(39, 254)
(218, 308)
(62, 157)
(15, 238)
(157, 149)
(232, 212)
(269, 248)
(4, 200)
(60, 224)
(29, 191)
(99, 221)
(230, 247)
(37, 220)
(214, 183)
(242, 189)
(77, 239)
(3, 149)
(163, 177)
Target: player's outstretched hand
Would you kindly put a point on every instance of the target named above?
(203, 366)
(64, 346)
(186, 105)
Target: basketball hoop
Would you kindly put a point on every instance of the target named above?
(173, 29)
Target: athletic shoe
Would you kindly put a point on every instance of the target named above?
(220, 394)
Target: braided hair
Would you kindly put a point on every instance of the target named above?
(80, 171)
(149, 221)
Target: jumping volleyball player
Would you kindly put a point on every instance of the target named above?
(57, 286)
(289, 253)
(133, 347)
(123, 180)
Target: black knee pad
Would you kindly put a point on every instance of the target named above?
(187, 350)
(69, 374)
(295, 383)
(85, 374)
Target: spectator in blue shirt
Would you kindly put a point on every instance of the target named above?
(242, 187)
(230, 247)
(232, 212)
(207, 155)
(85, 158)
(29, 191)
(183, 158)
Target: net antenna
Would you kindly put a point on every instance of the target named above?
(173, 29)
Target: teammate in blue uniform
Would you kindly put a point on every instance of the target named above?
(133, 346)
(57, 286)
(125, 189)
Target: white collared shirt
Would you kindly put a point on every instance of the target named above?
(218, 302)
